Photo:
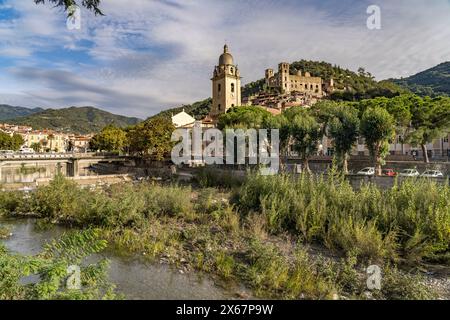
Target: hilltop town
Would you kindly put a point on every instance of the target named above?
(284, 90)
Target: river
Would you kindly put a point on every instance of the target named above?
(133, 277)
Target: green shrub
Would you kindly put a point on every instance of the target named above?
(411, 220)
(51, 267)
(58, 200)
(10, 201)
(206, 178)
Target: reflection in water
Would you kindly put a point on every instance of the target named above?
(29, 172)
(133, 277)
(26, 174)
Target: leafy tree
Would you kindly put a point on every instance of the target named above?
(36, 146)
(281, 123)
(377, 127)
(244, 117)
(324, 111)
(151, 138)
(5, 141)
(14, 142)
(305, 134)
(17, 142)
(111, 138)
(430, 121)
(51, 268)
(92, 5)
(344, 130)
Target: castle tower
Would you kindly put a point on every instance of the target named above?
(226, 83)
(284, 79)
(269, 75)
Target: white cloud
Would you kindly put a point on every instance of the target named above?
(154, 54)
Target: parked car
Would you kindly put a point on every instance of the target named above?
(369, 171)
(26, 150)
(389, 172)
(6, 152)
(432, 174)
(409, 173)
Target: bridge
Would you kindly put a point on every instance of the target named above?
(72, 162)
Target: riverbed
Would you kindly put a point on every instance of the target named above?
(134, 278)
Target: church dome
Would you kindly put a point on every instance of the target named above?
(226, 58)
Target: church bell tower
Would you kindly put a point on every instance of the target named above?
(226, 85)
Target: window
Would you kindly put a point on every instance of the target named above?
(232, 105)
(231, 69)
(219, 107)
(232, 87)
(219, 87)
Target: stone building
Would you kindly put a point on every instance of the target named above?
(226, 85)
(285, 82)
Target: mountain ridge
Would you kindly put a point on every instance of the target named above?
(431, 82)
(10, 112)
(81, 120)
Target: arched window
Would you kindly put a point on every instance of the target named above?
(219, 87)
(218, 107)
(232, 87)
(231, 69)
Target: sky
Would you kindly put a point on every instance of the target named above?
(145, 56)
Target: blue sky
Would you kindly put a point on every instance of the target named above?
(149, 55)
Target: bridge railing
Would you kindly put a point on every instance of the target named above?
(66, 155)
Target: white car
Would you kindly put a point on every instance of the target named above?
(432, 174)
(409, 173)
(26, 150)
(370, 171)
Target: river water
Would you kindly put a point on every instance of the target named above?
(133, 277)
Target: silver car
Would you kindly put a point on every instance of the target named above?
(369, 171)
(409, 173)
(432, 174)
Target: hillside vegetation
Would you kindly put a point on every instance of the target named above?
(11, 112)
(78, 120)
(431, 82)
(198, 110)
(350, 85)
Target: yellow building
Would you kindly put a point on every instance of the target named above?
(48, 140)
